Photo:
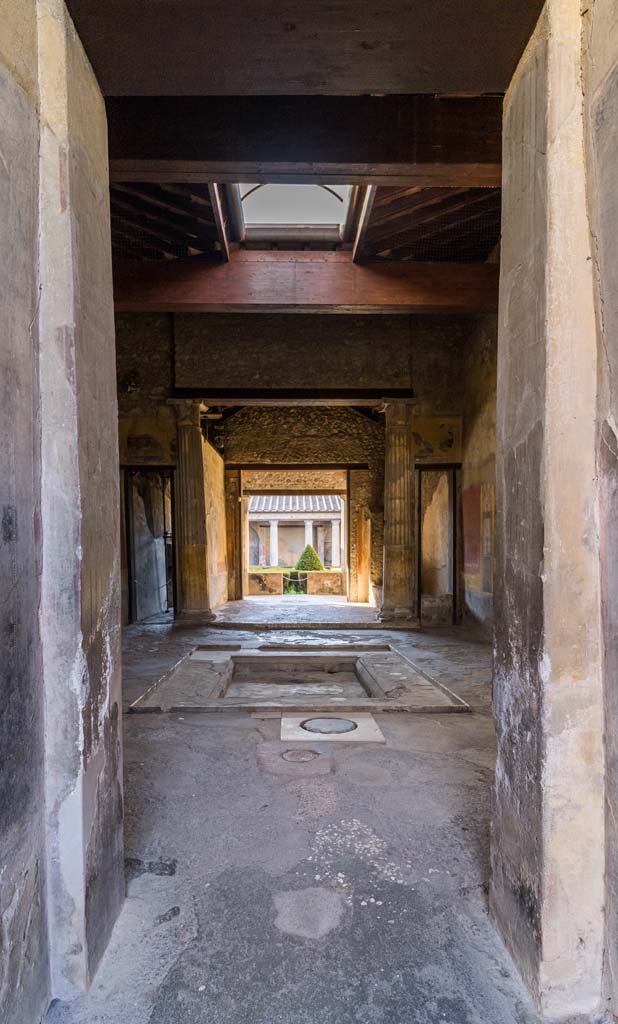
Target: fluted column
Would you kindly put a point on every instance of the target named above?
(400, 596)
(191, 539)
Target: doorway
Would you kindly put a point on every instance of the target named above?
(437, 546)
(149, 576)
(295, 544)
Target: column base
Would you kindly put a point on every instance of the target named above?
(400, 616)
(198, 617)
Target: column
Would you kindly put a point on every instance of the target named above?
(191, 540)
(548, 842)
(335, 560)
(79, 612)
(261, 532)
(274, 541)
(400, 598)
(233, 528)
(309, 532)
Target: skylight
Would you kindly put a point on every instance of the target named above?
(315, 205)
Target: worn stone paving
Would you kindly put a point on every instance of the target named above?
(352, 892)
(296, 610)
(371, 677)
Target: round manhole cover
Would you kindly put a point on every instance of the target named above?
(328, 725)
(299, 755)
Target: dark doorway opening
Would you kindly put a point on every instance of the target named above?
(149, 569)
(437, 544)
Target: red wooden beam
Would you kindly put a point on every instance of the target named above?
(304, 282)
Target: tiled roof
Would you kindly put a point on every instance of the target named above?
(295, 503)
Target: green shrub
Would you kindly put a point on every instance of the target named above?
(309, 561)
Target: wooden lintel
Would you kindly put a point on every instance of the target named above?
(363, 222)
(381, 140)
(304, 282)
(215, 202)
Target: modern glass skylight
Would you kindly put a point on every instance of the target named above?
(314, 205)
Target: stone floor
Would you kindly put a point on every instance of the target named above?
(297, 610)
(349, 890)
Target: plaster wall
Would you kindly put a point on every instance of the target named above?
(548, 822)
(61, 798)
(478, 470)
(600, 65)
(214, 491)
(24, 962)
(435, 534)
(80, 600)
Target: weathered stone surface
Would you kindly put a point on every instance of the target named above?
(325, 583)
(479, 467)
(327, 481)
(24, 966)
(272, 351)
(80, 600)
(261, 584)
(191, 538)
(601, 115)
(547, 887)
(214, 494)
(400, 579)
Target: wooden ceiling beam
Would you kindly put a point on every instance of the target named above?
(186, 214)
(406, 246)
(217, 209)
(304, 282)
(449, 205)
(166, 238)
(420, 140)
(363, 222)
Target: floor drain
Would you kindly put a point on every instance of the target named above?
(328, 725)
(299, 755)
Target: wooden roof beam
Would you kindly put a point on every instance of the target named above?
(420, 140)
(311, 282)
(217, 209)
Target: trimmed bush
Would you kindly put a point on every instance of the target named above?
(309, 561)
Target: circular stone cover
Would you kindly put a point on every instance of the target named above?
(299, 755)
(328, 725)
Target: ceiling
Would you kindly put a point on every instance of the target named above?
(177, 221)
(170, 221)
(432, 225)
(289, 47)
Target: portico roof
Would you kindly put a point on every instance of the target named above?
(295, 503)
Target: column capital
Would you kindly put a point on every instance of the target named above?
(187, 411)
(388, 403)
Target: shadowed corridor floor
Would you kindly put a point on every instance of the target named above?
(354, 896)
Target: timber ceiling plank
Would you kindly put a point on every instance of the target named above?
(285, 47)
(434, 224)
(163, 222)
(305, 282)
(399, 140)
